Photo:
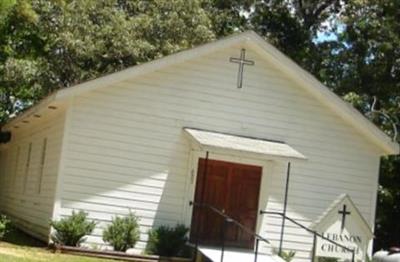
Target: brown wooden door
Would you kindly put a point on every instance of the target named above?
(230, 187)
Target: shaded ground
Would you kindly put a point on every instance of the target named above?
(19, 247)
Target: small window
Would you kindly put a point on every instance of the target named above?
(42, 162)
(27, 164)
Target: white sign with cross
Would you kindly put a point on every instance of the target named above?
(344, 224)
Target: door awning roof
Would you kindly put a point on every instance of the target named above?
(215, 140)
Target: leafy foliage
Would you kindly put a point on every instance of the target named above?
(366, 63)
(292, 26)
(70, 231)
(4, 225)
(352, 46)
(286, 255)
(123, 233)
(46, 45)
(167, 241)
(327, 259)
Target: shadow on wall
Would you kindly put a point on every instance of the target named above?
(152, 188)
(18, 237)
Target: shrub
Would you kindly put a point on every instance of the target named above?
(287, 256)
(167, 241)
(327, 259)
(4, 225)
(123, 233)
(71, 231)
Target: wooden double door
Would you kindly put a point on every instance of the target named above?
(232, 188)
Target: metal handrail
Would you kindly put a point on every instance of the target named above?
(315, 233)
(228, 219)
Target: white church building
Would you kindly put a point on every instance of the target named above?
(233, 126)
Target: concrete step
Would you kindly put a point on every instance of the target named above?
(236, 255)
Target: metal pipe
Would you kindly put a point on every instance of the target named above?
(228, 219)
(284, 208)
(256, 251)
(201, 201)
(223, 239)
(314, 250)
(231, 220)
(204, 179)
(307, 229)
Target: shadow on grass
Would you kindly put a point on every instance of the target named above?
(17, 237)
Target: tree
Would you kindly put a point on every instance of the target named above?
(361, 62)
(292, 26)
(51, 44)
(366, 64)
(16, 66)
(228, 16)
(47, 45)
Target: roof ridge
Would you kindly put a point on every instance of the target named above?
(281, 61)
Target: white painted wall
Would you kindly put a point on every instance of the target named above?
(27, 192)
(126, 148)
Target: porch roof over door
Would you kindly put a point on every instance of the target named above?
(242, 144)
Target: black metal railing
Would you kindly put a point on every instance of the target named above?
(227, 219)
(315, 235)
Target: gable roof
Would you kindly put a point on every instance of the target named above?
(281, 61)
(334, 206)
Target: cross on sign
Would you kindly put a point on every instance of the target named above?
(242, 62)
(344, 213)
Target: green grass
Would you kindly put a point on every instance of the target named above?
(19, 247)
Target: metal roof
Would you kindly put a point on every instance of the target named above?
(210, 139)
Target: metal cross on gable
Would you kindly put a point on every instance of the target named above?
(242, 62)
(344, 213)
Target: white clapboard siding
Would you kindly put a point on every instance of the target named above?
(19, 188)
(127, 151)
